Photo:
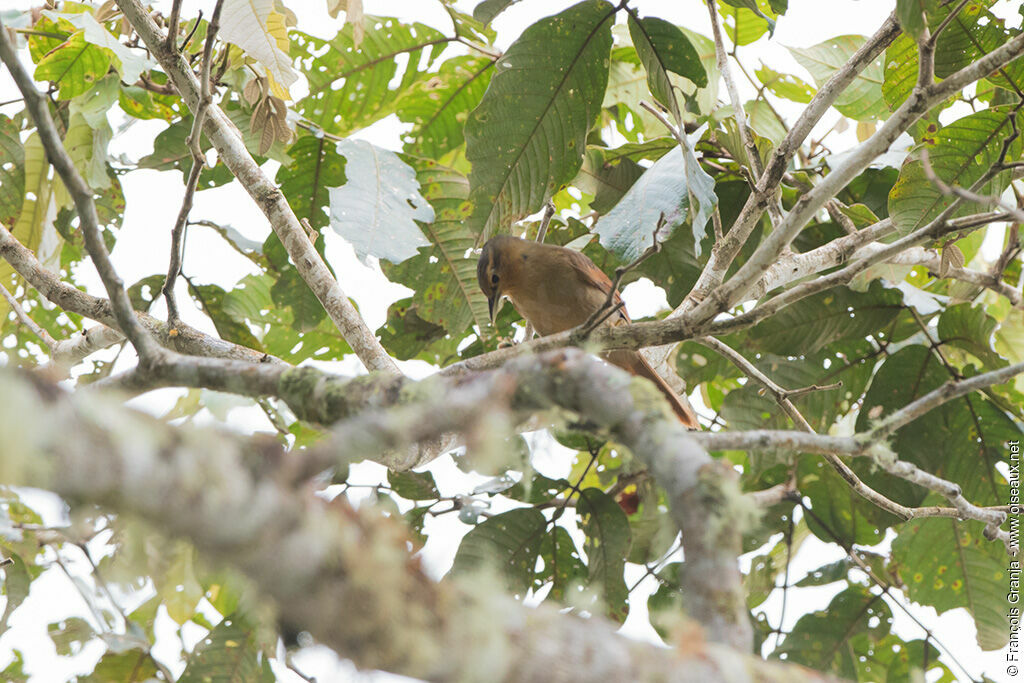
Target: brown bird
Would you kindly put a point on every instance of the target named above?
(556, 289)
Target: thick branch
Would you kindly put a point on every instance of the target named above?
(724, 253)
(173, 478)
(919, 102)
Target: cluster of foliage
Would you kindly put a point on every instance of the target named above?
(492, 139)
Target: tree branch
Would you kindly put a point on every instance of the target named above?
(703, 496)
(267, 196)
(186, 339)
(147, 348)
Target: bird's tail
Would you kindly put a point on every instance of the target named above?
(634, 363)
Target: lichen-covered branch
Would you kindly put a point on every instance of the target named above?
(234, 498)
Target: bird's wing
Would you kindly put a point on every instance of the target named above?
(591, 275)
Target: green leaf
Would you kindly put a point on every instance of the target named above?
(821, 319)
(563, 568)
(961, 153)
(860, 214)
(132, 665)
(663, 48)
(170, 150)
(971, 329)
(488, 9)
(606, 181)
(911, 16)
(509, 542)
(659, 201)
(316, 166)
(528, 136)
(413, 485)
(16, 584)
(765, 569)
(350, 86)
(74, 66)
(129, 64)
(608, 538)
(70, 636)
(36, 203)
(850, 361)
(785, 85)
(862, 100)
(178, 586)
(840, 515)
(438, 107)
(144, 292)
(211, 299)
(87, 147)
(822, 639)
(140, 103)
(376, 209)
(945, 564)
(962, 440)
(230, 653)
(407, 335)
(443, 277)
(900, 71)
(972, 34)
(12, 171)
(840, 569)
(746, 20)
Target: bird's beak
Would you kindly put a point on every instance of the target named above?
(493, 305)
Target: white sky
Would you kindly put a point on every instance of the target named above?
(153, 201)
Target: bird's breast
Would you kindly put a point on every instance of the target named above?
(556, 303)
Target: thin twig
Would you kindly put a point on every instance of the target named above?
(957, 191)
(801, 422)
(608, 308)
(933, 39)
(23, 318)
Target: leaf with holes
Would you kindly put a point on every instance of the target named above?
(316, 166)
(12, 171)
(349, 86)
(377, 209)
(509, 542)
(74, 66)
(438, 107)
(961, 153)
(945, 563)
(563, 568)
(821, 639)
(527, 137)
(443, 277)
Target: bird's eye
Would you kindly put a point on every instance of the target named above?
(494, 279)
